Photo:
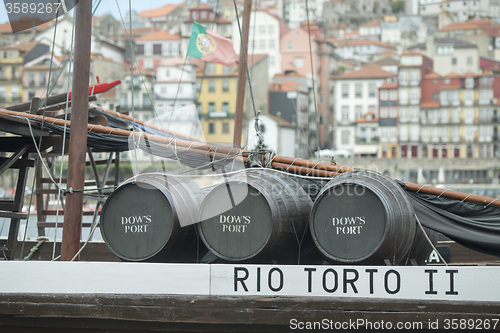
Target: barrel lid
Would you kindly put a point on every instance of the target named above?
(348, 222)
(137, 221)
(239, 231)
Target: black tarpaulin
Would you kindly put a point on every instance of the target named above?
(471, 224)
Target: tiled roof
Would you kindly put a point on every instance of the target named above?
(370, 71)
(158, 12)
(388, 85)
(159, 35)
(432, 75)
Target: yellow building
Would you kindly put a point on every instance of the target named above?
(12, 60)
(217, 86)
(216, 95)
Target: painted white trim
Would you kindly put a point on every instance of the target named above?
(452, 283)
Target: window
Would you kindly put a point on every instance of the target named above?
(469, 133)
(211, 86)
(225, 107)
(289, 45)
(403, 78)
(393, 95)
(345, 91)
(469, 97)
(358, 111)
(394, 112)
(415, 114)
(345, 113)
(262, 44)
(262, 29)
(225, 86)
(403, 97)
(469, 61)
(43, 78)
(414, 76)
(469, 116)
(456, 115)
(211, 107)
(211, 68)
(225, 128)
(345, 137)
(123, 99)
(469, 151)
(383, 95)
(372, 90)
(358, 90)
(453, 61)
(445, 116)
(384, 112)
(156, 48)
(415, 96)
(211, 128)
(271, 44)
(31, 79)
(299, 62)
(140, 49)
(403, 114)
(444, 49)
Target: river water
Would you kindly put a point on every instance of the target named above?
(31, 231)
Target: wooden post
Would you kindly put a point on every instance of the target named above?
(242, 71)
(72, 228)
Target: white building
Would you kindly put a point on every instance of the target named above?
(356, 93)
(279, 135)
(175, 85)
(360, 49)
(154, 47)
(404, 33)
(458, 10)
(294, 11)
(268, 29)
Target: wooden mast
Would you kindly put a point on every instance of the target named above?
(72, 228)
(242, 71)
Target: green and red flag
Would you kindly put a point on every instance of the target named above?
(209, 46)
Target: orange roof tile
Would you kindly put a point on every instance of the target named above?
(370, 71)
(364, 118)
(158, 12)
(432, 75)
(388, 85)
(159, 35)
(433, 104)
(374, 23)
(469, 74)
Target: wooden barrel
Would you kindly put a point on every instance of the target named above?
(141, 220)
(257, 216)
(363, 217)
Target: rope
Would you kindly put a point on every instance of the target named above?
(35, 248)
(430, 242)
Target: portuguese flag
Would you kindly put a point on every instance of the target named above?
(209, 46)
